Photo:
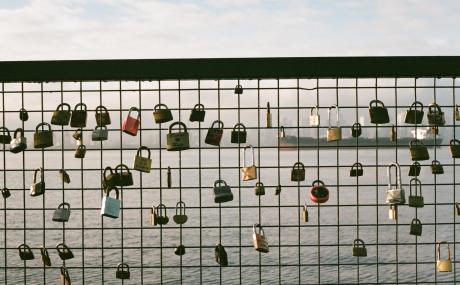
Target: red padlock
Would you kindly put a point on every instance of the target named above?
(319, 193)
(131, 124)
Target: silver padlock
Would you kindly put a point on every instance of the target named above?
(314, 117)
(177, 140)
(100, 133)
(395, 193)
(248, 172)
(141, 163)
(333, 133)
(259, 239)
(111, 206)
(62, 213)
(443, 265)
(38, 188)
(18, 144)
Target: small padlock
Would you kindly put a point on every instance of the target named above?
(305, 214)
(356, 130)
(416, 201)
(395, 193)
(5, 136)
(64, 251)
(62, 213)
(359, 248)
(414, 169)
(333, 133)
(177, 140)
(168, 178)
(314, 117)
(180, 217)
(25, 253)
(111, 206)
(38, 188)
(43, 138)
(378, 112)
(123, 178)
(278, 190)
(45, 256)
(298, 172)
(65, 277)
(238, 134)
(130, 125)
(222, 192)
(259, 189)
(259, 238)
(18, 144)
(418, 151)
(319, 193)
(153, 216)
(393, 212)
(80, 152)
(141, 163)
(100, 134)
(457, 208)
(435, 115)
(434, 130)
(436, 167)
(220, 255)
(269, 116)
(6, 193)
(393, 133)
(248, 172)
(23, 115)
(123, 271)
(78, 135)
(414, 116)
(61, 116)
(238, 89)
(214, 134)
(281, 132)
(197, 114)
(456, 113)
(356, 169)
(64, 176)
(162, 115)
(454, 146)
(102, 116)
(180, 250)
(79, 115)
(161, 215)
(443, 265)
(415, 227)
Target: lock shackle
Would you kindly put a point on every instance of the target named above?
(376, 103)
(64, 205)
(298, 165)
(40, 125)
(180, 124)
(158, 107)
(100, 127)
(239, 126)
(244, 154)
(434, 108)
(108, 168)
(415, 221)
(5, 129)
(220, 124)
(315, 108)
(454, 142)
(120, 167)
(160, 208)
(117, 193)
(24, 247)
(42, 175)
(123, 267)
(82, 146)
(317, 181)
(4, 190)
(61, 106)
(261, 230)
(358, 243)
(62, 247)
(199, 107)
(415, 182)
(416, 142)
(21, 132)
(220, 181)
(435, 162)
(329, 110)
(356, 127)
(238, 86)
(260, 184)
(139, 150)
(181, 207)
(64, 272)
(357, 165)
(136, 110)
(101, 109)
(398, 174)
(439, 249)
(415, 104)
(82, 107)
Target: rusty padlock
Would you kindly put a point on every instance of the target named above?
(248, 172)
(378, 112)
(298, 172)
(162, 115)
(414, 116)
(43, 138)
(79, 115)
(198, 113)
(435, 115)
(259, 239)
(102, 116)
(334, 133)
(130, 124)
(61, 116)
(141, 163)
(176, 141)
(214, 135)
(238, 134)
(454, 146)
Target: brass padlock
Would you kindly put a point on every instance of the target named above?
(436, 167)
(61, 116)
(168, 178)
(38, 188)
(222, 192)
(123, 178)
(180, 250)
(434, 130)
(414, 169)
(5, 136)
(259, 239)
(259, 189)
(435, 115)
(78, 135)
(395, 193)
(80, 152)
(23, 115)
(443, 265)
(198, 113)
(64, 176)
(393, 133)
(278, 190)
(414, 116)
(62, 213)
(64, 251)
(454, 146)
(65, 277)
(214, 134)
(18, 144)
(418, 151)
(43, 138)
(6, 193)
(281, 132)
(25, 253)
(298, 172)
(318, 192)
(457, 208)
(123, 271)
(111, 206)
(177, 140)
(220, 255)
(100, 134)
(333, 133)
(108, 180)
(180, 217)
(130, 125)
(314, 117)
(238, 89)
(356, 130)
(269, 116)
(102, 116)
(153, 216)
(356, 169)
(305, 214)
(416, 201)
(248, 172)
(45, 256)
(79, 115)
(359, 248)
(238, 134)
(415, 227)
(393, 212)
(456, 113)
(162, 115)
(141, 163)
(378, 112)
(161, 215)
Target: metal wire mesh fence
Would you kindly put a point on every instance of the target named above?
(291, 110)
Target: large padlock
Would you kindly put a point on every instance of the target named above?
(214, 134)
(162, 115)
(80, 152)
(248, 172)
(64, 251)
(378, 112)
(238, 89)
(454, 146)
(18, 144)
(38, 188)
(43, 138)
(456, 113)
(414, 116)
(180, 217)
(62, 213)
(298, 172)
(153, 216)
(304, 214)
(393, 212)
(359, 248)
(333, 133)
(418, 151)
(259, 189)
(130, 125)
(61, 116)
(65, 276)
(111, 206)
(281, 132)
(259, 239)
(435, 115)
(356, 130)
(5, 136)
(161, 215)
(436, 167)
(45, 256)
(415, 227)
(269, 116)
(121, 177)
(25, 253)
(64, 176)
(141, 163)
(238, 134)
(177, 140)
(314, 117)
(123, 271)
(395, 194)
(222, 192)
(23, 115)
(220, 255)
(180, 250)
(198, 113)
(79, 115)
(416, 200)
(318, 192)
(100, 134)
(102, 116)
(443, 265)
(6, 193)
(356, 169)
(414, 169)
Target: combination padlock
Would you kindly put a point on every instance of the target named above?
(435, 115)
(214, 135)
(416, 200)
(64, 251)
(443, 265)
(180, 217)
(414, 116)
(38, 188)
(123, 271)
(436, 167)
(79, 115)
(378, 112)
(6, 193)
(304, 214)
(220, 255)
(123, 177)
(319, 193)
(5, 136)
(161, 215)
(259, 239)
(333, 133)
(162, 114)
(61, 116)
(356, 169)
(356, 130)
(62, 213)
(111, 206)
(100, 134)
(25, 253)
(222, 192)
(415, 227)
(248, 172)
(414, 169)
(177, 140)
(130, 125)
(454, 146)
(43, 138)
(238, 134)
(298, 172)
(65, 276)
(359, 248)
(45, 256)
(259, 189)
(102, 116)
(314, 117)
(198, 113)
(418, 151)
(23, 115)
(80, 152)
(143, 164)
(238, 89)
(395, 194)
(18, 144)
(180, 250)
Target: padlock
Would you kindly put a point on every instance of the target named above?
(141, 163)
(168, 178)
(102, 116)
(222, 192)
(238, 134)
(248, 172)
(100, 134)
(220, 255)
(6, 193)
(62, 213)
(378, 112)
(305, 214)
(110, 207)
(80, 152)
(79, 115)
(395, 193)
(314, 117)
(319, 193)
(25, 253)
(161, 215)
(61, 116)
(214, 134)
(23, 115)
(457, 208)
(123, 178)
(415, 227)
(278, 190)
(434, 130)
(443, 265)
(414, 169)
(259, 238)
(418, 151)
(38, 188)
(356, 130)
(269, 116)
(64, 176)
(180, 250)
(177, 140)
(78, 135)
(359, 248)
(333, 133)
(435, 115)
(238, 89)
(436, 167)
(123, 271)
(162, 115)
(456, 113)
(298, 172)
(414, 116)
(416, 200)
(393, 133)
(356, 169)
(18, 144)
(65, 276)
(5, 136)
(45, 256)
(197, 114)
(180, 217)
(281, 132)
(130, 125)
(454, 146)
(259, 189)
(393, 212)
(64, 251)
(43, 138)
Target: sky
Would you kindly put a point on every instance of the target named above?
(110, 29)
